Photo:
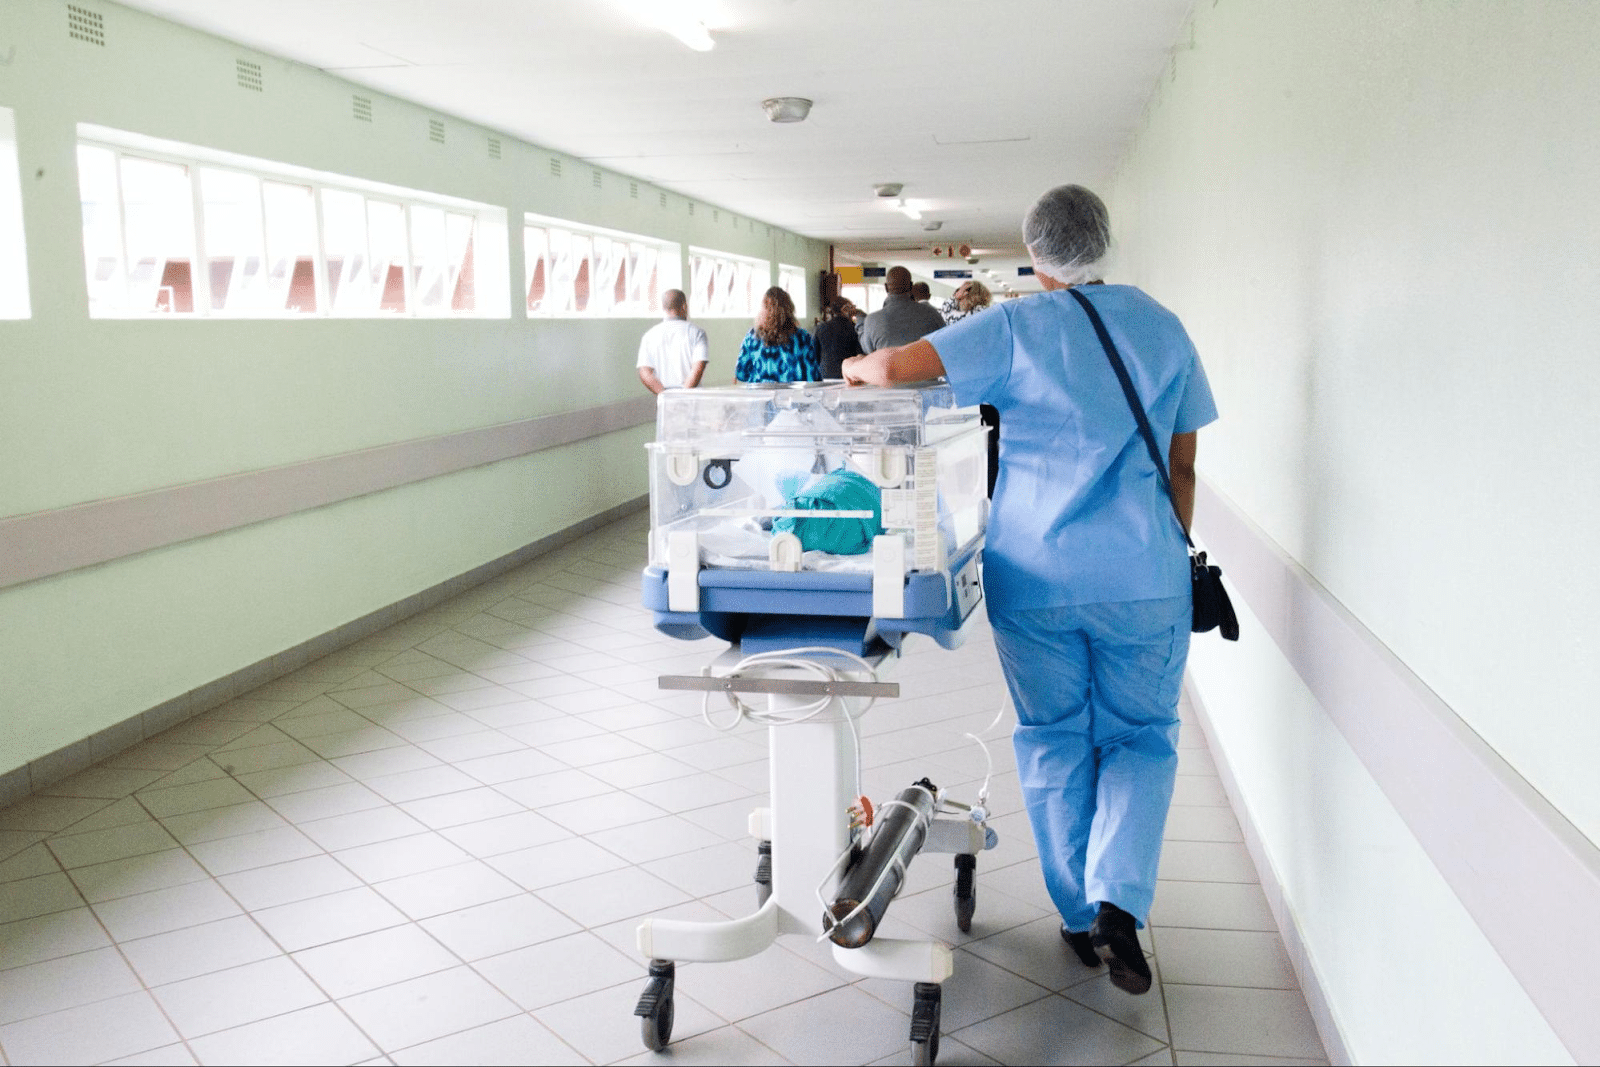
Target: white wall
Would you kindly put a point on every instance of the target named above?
(1379, 221)
(97, 409)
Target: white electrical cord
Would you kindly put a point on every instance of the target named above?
(980, 810)
(796, 659)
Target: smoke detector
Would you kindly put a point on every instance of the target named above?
(786, 108)
(888, 189)
(932, 224)
(972, 259)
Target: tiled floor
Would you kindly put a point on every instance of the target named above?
(434, 846)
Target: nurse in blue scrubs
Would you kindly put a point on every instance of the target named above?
(1086, 572)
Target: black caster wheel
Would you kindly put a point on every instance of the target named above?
(925, 1024)
(763, 872)
(655, 1006)
(966, 892)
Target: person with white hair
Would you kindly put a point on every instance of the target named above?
(1086, 568)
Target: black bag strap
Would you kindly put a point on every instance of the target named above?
(1132, 397)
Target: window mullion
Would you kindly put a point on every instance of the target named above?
(319, 265)
(200, 280)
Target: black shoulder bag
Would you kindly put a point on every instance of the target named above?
(1212, 608)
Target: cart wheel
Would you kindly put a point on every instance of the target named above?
(925, 1024)
(655, 1006)
(763, 872)
(966, 892)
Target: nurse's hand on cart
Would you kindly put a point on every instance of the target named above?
(916, 362)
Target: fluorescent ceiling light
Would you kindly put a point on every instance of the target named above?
(691, 32)
(909, 212)
(683, 19)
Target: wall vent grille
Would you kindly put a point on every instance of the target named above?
(494, 148)
(663, 199)
(691, 207)
(85, 25)
(595, 179)
(633, 190)
(361, 108)
(716, 214)
(436, 131)
(249, 75)
(555, 167)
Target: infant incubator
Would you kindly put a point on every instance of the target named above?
(814, 528)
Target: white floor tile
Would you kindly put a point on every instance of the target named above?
(122, 1026)
(383, 860)
(157, 912)
(361, 828)
(560, 969)
(1257, 1022)
(55, 985)
(499, 926)
(334, 917)
(226, 999)
(467, 806)
(447, 889)
(604, 812)
(197, 950)
(1056, 1031)
(285, 883)
(1212, 905)
(138, 874)
(601, 1025)
(103, 846)
(809, 1031)
(1225, 958)
(517, 1040)
(310, 1036)
(280, 844)
(560, 861)
(508, 833)
(606, 898)
(48, 937)
(426, 1008)
(371, 961)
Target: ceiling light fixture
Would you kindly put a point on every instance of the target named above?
(888, 190)
(786, 108)
(908, 211)
(680, 18)
(932, 224)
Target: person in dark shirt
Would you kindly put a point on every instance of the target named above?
(837, 339)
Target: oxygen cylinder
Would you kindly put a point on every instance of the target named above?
(897, 836)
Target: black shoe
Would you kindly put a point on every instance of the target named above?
(1080, 944)
(1115, 936)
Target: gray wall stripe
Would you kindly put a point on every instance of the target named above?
(50, 542)
(1487, 829)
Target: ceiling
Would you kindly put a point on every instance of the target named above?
(976, 106)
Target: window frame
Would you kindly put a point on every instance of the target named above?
(620, 256)
(15, 302)
(759, 269)
(488, 230)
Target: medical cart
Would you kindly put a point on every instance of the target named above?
(816, 528)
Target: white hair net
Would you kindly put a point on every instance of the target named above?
(1068, 233)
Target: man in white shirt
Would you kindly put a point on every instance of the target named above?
(672, 354)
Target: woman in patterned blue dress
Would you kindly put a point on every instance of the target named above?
(776, 349)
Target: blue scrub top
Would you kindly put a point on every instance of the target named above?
(1079, 516)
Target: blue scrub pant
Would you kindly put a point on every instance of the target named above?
(1096, 691)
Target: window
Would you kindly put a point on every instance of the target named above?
(726, 286)
(179, 230)
(13, 253)
(792, 280)
(582, 270)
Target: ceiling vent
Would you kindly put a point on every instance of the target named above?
(248, 74)
(361, 108)
(436, 131)
(85, 25)
(494, 148)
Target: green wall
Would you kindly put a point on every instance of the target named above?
(91, 410)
